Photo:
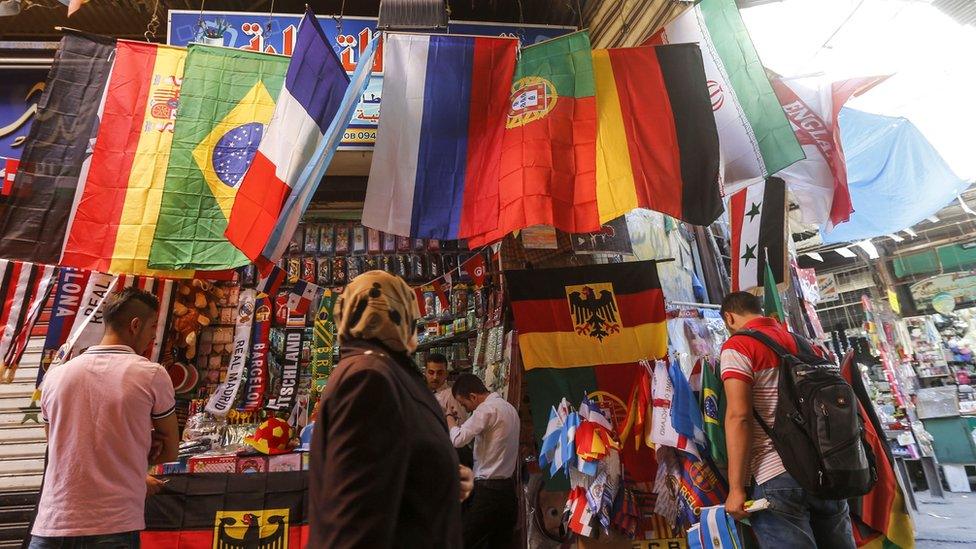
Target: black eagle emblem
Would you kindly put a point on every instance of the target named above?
(594, 315)
(252, 536)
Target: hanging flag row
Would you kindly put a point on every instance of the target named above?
(204, 159)
(567, 137)
(161, 139)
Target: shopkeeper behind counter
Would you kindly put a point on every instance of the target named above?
(436, 372)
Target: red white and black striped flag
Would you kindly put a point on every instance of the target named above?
(24, 287)
(758, 217)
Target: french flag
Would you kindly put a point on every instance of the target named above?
(445, 105)
(314, 87)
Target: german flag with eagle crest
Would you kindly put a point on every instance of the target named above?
(583, 331)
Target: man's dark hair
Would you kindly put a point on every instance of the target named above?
(121, 307)
(468, 384)
(436, 357)
(741, 303)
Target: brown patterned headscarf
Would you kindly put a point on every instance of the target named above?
(378, 305)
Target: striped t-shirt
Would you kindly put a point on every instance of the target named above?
(747, 359)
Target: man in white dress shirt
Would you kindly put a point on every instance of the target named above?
(490, 514)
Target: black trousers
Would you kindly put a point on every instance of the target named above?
(490, 514)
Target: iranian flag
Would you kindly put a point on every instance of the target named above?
(755, 137)
(547, 173)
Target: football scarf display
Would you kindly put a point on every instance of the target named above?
(257, 366)
(24, 287)
(223, 398)
(323, 340)
(289, 371)
(71, 286)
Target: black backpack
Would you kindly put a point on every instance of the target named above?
(817, 427)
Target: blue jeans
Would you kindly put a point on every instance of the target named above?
(125, 540)
(796, 519)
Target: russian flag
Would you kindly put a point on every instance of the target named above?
(436, 160)
(314, 87)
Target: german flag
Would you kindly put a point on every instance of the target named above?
(657, 144)
(582, 332)
(229, 511)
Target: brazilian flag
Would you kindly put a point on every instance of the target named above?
(226, 102)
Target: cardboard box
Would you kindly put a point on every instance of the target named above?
(285, 462)
(213, 464)
(252, 464)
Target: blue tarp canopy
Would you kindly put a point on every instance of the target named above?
(896, 177)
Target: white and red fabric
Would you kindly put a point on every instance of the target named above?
(819, 183)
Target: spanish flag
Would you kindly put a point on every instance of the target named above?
(582, 332)
(112, 228)
(657, 144)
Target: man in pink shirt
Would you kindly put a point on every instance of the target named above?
(103, 410)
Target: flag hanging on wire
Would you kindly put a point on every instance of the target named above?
(57, 153)
(114, 222)
(819, 183)
(24, 288)
(314, 87)
(439, 140)
(226, 102)
(758, 217)
(547, 174)
(657, 146)
(301, 195)
(754, 135)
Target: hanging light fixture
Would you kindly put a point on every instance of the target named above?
(412, 15)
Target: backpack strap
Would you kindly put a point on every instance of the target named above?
(765, 340)
(776, 348)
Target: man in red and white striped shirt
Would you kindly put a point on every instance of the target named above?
(750, 376)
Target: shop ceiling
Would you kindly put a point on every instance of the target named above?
(129, 18)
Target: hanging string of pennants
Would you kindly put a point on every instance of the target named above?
(24, 288)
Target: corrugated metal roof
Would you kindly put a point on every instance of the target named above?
(963, 11)
(626, 23)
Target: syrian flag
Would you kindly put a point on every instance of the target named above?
(301, 297)
(758, 217)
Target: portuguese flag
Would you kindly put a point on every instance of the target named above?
(657, 146)
(547, 173)
(226, 102)
(582, 332)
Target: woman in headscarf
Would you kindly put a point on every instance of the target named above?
(383, 470)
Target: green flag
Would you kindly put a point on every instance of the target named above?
(226, 103)
(713, 410)
(772, 305)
